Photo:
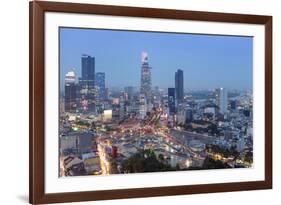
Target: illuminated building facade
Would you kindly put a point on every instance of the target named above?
(87, 83)
(222, 100)
(145, 88)
(172, 101)
(70, 91)
(143, 106)
(100, 84)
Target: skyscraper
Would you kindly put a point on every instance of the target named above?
(88, 70)
(87, 82)
(143, 106)
(100, 84)
(130, 90)
(222, 100)
(70, 91)
(145, 88)
(179, 85)
(172, 101)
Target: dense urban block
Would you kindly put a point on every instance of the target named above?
(146, 128)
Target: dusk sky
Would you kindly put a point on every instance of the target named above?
(208, 61)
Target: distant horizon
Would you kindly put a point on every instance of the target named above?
(185, 90)
(208, 61)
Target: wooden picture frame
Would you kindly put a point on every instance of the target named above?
(37, 11)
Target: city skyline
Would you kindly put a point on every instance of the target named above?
(156, 125)
(236, 49)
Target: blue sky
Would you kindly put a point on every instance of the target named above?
(208, 61)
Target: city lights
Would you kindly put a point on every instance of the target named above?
(107, 129)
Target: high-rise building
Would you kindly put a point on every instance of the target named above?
(222, 100)
(172, 101)
(116, 111)
(100, 84)
(179, 85)
(145, 88)
(70, 91)
(130, 90)
(233, 104)
(88, 71)
(189, 115)
(143, 106)
(121, 106)
(107, 93)
(184, 114)
(87, 83)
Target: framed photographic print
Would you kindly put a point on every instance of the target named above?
(138, 102)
